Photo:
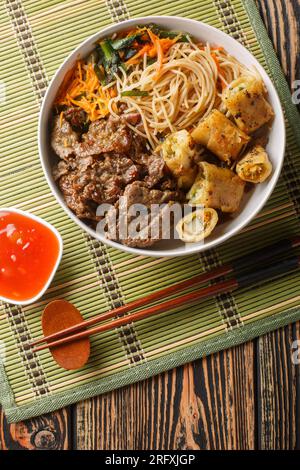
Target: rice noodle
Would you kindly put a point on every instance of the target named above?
(184, 92)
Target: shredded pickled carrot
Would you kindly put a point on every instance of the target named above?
(167, 43)
(159, 51)
(145, 50)
(83, 89)
(157, 48)
(113, 92)
(86, 92)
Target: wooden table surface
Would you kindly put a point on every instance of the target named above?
(247, 397)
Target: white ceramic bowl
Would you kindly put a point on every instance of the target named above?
(59, 256)
(252, 202)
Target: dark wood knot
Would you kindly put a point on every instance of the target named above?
(44, 439)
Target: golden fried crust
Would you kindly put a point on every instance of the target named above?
(216, 187)
(197, 225)
(220, 136)
(246, 102)
(255, 166)
(178, 152)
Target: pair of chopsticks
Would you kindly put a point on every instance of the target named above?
(240, 280)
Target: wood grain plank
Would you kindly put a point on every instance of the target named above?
(278, 390)
(296, 344)
(282, 20)
(208, 404)
(49, 432)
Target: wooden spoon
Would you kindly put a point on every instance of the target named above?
(59, 315)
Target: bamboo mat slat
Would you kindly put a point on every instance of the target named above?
(35, 38)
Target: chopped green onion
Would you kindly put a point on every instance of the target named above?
(151, 61)
(99, 71)
(163, 33)
(130, 53)
(107, 50)
(118, 44)
(134, 93)
(100, 54)
(111, 60)
(173, 35)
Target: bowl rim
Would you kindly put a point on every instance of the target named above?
(53, 272)
(185, 250)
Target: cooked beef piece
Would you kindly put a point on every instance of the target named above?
(61, 169)
(84, 209)
(106, 180)
(99, 166)
(111, 135)
(153, 166)
(72, 163)
(97, 180)
(139, 193)
(63, 138)
(77, 118)
(83, 163)
(138, 147)
(131, 118)
(168, 184)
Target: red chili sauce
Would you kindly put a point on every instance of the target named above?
(28, 254)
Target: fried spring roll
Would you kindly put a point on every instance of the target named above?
(220, 136)
(255, 166)
(197, 225)
(178, 152)
(245, 100)
(219, 188)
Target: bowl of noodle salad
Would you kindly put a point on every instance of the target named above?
(161, 136)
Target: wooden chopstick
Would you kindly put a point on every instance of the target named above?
(240, 263)
(205, 277)
(243, 280)
(169, 304)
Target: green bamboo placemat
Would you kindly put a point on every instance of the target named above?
(35, 39)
